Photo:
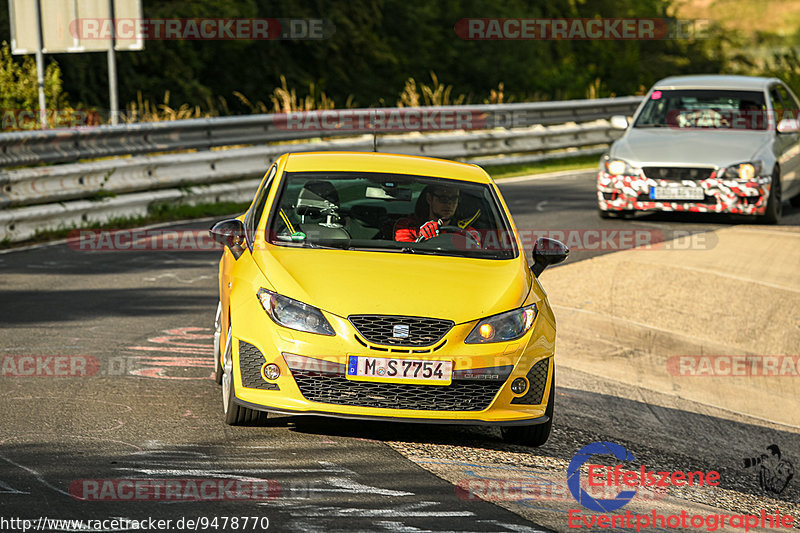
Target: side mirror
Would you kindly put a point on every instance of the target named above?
(619, 122)
(788, 125)
(547, 252)
(229, 233)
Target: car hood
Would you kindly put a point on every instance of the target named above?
(688, 147)
(354, 282)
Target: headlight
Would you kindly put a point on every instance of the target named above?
(293, 314)
(503, 327)
(618, 167)
(744, 171)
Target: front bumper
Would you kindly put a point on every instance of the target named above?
(313, 382)
(735, 196)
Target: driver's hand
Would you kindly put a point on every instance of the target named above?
(430, 229)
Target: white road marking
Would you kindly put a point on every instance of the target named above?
(403, 511)
(175, 276)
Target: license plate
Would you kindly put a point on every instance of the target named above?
(677, 193)
(390, 370)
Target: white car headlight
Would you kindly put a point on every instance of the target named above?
(503, 327)
(619, 167)
(293, 314)
(616, 167)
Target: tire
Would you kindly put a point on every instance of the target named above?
(235, 414)
(772, 215)
(537, 434)
(603, 214)
(217, 347)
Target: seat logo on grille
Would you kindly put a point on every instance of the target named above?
(400, 331)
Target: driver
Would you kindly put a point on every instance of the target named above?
(437, 205)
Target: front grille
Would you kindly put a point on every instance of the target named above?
(677, 173)
(460, 395)
(537, 380)
(380, 329)
(250, 362)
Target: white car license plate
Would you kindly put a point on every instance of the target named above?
(399, 370)
(677, 193)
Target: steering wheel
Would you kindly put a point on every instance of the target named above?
(459, 231)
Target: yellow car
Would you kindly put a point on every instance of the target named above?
(385, 287)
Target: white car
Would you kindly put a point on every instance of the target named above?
(710, 143)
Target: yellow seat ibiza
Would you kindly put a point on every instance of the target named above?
(385, 287)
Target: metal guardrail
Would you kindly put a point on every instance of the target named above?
(40, 185)
(72, 195)
(62, 145)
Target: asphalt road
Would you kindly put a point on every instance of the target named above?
(133, 328)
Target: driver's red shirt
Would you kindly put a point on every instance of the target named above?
(407, 229)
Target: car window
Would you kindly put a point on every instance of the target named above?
(253, 217)
(782, 102)
(706, 108)
(366, 211)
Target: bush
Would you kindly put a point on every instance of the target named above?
(19, 88)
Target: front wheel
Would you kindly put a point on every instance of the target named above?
(772, 214)
(235, 414)
(535, 435)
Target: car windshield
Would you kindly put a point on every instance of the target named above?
(383, 212)
(715, 109)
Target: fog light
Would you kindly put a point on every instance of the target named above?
(272, 371)
(519, 385)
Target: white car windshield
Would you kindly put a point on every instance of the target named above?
(715, 109)
(384, 212)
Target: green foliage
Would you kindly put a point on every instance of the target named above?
(18, 83)
(382, 50)
(785, 64)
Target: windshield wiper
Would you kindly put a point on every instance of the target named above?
(309, 244)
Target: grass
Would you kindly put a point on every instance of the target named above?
(553, 165)
(781, 17)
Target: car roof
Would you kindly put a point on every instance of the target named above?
(716, 81)
(383, 162)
